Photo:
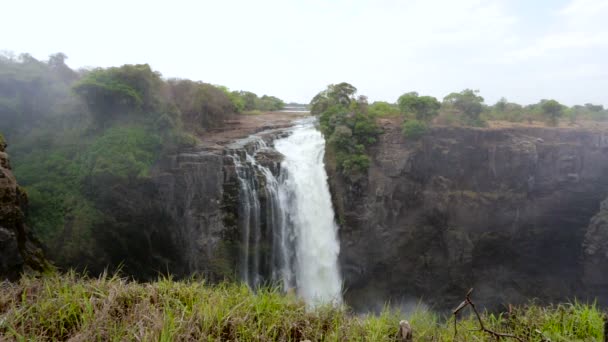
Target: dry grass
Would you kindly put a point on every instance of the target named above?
(70, 307)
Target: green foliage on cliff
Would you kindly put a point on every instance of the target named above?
(347, 125)
(83, 144)
(381, 109)
(66, 307)
(467, 104)
(552, 111)
(340, 94)
(119, 91)
(423, 108)
(414, 129)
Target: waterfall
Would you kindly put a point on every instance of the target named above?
(311, 215)
(286, 220)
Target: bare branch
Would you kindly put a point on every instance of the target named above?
(468, 302)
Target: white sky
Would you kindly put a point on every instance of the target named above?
(524, 50)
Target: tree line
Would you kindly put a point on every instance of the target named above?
(348, 120)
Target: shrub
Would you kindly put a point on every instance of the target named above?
(414, 129)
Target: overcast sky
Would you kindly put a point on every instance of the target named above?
(524, 50)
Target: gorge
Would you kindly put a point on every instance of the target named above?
(514, 212)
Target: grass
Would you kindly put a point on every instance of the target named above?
(109, 308)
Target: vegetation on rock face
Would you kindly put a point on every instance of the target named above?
(59, 308)
(348, 126)
(83, 144)
(414, 129)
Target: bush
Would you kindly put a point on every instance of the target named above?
(118, 91)
(383, 109)
(414, 129)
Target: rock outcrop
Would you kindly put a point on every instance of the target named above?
(198, 192)
(19, 251)
(595, 254)
(503, 210)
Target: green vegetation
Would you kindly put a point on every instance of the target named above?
(414, 129)
(552, 111)
(340, 94)
(63, 307)
(381, 109)
(467, 105)
(246, 101)
(346, 123)
(423, 108)
(84, 143)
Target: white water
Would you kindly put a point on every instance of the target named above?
(305, 196)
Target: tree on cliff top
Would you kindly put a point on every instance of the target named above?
(424, 108)
(552, 111)
(468, 103)
(118, 91)
(335, 94)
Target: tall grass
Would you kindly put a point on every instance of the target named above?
(109, 308)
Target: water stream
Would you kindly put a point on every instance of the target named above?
(288, 232)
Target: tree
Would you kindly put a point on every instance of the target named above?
(468, 103)
(118, 91)
(249, 99)
(501, 105)
(335, 94)
(269, 103)
(594, 108)
(424, 108)
(200, 104)
(414, 129)
(552, 111)
(381, 108)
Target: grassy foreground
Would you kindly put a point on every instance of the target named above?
(69, 307)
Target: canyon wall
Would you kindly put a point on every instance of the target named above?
(506, 211)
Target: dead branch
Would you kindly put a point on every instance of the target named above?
(468, 302)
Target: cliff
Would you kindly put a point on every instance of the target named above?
(200, 199)
(19, 251)
(505, 211)
(180, 219)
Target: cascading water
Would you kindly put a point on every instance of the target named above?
(288, 232)
(311, 215)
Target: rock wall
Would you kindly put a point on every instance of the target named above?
(19, 251)
(199, 193)
(504, 211)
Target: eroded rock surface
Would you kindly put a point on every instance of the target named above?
(503, 210)
(19, 251)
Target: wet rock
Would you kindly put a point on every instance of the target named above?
(19, 250)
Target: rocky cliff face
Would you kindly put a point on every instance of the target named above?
(505, 211)
(198, 192)
(19, 251)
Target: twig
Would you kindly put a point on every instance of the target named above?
(468, 302)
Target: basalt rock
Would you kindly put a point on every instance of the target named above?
(505, 211)
(19, 250)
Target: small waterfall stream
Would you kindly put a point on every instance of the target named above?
(286, 218)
